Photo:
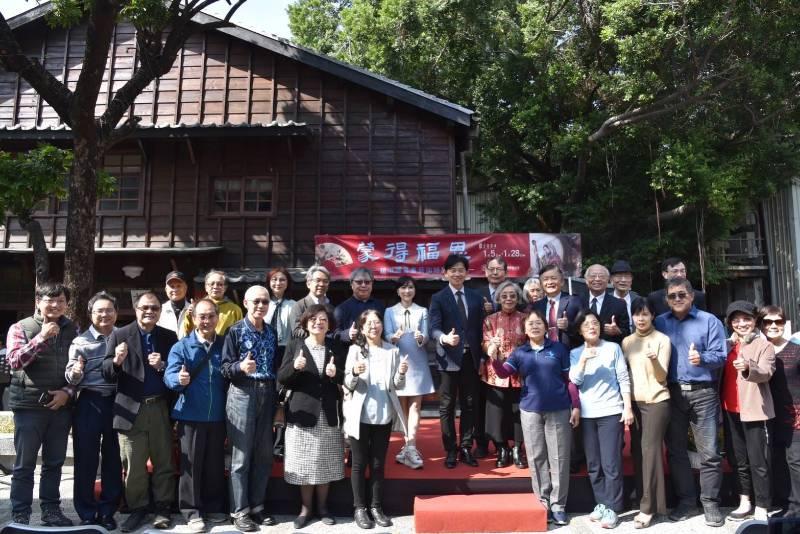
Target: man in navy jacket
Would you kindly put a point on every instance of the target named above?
(456, 315)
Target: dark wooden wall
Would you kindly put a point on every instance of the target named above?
(370, 165)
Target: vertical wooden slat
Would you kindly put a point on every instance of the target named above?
(124, 231)
(370, 177)
(319, 151)
(269, 241)
(274, 88)
(112, 62)
(173, 180)
(293, 215)
(64, 69)
(227, 80)
(420, 175)
(250, 87)
(452, 181)
(6, 232)
(219, 231)
(43, 61)
(203, 79)
(53, 221)
(296, 91)
(100, 221)
(15, 110)
(179, 88)
(196, 230)
(394, 170)
(346, 146)
(148, 192)
(243, 241)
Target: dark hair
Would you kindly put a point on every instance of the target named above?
(454, 259)
(640, 304)
(550, 267)
(679, 281)
(51, 289)
(145, 294)
(499, 260)
(102, 295)
(581, 318)
(206, 300)
(769, 309)
(312, 311)
(538, 313)
(670, 262)
(361, 339)
(403, 281)
(273, 272)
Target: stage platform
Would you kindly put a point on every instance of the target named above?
(402, 484)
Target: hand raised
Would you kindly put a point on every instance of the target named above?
(611, 329)
(330, 369)
(360, 366)
(300, 362)
(487, 306)
(562, 322)
(403, 368)
(694, 356)
(120, 353)
(154, 359)
(248, 365)
(451, 339)
(184, 377)
(49, 330)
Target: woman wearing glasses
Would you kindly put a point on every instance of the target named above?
(747, 409)
(785, 388)
(503, 331)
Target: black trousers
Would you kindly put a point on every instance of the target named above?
(201, 487)
(462, 385)
(602, 439)
(502, 415)
(481, 433)
(369, 450)
(749, 455)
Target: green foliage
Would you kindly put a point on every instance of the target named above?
(707, 93)
(150, 15)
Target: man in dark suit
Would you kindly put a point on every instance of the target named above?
(456, 315)
(136, 356)
(317, 280)
(622, 280)
(559, 307)
(673, 268)
(612, 311)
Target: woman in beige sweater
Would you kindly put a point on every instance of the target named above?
(647, 352)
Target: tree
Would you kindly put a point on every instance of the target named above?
(162, 28)
(648, 127)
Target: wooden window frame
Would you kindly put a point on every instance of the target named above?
(138, 211)
(214, 212)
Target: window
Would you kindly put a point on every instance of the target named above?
(247, 195)
(127, 169)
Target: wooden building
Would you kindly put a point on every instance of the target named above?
(247, 148)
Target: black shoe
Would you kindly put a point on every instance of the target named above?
(54, 517)
(300, 521)
(379, 517)
(260, 518)
(22, 519)
(362, 519)
(245, 524)
(519, 457)
(465, 457)
(134, 521)
(327, 519)
(87, 522)
(681, 513)
(452, 460)
(107, 522)
(713, 516)
(481, 450)
(503, 459)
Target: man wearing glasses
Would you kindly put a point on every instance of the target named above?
(622, 280)
(216, 284)
(698, 353)
(39, 397)
(317, 280)
(673, 268)
(361, 282)
(248, 361)
(136, 356)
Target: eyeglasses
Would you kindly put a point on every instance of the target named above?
(257, 302)
(362, 282)
(146, 308)
(595, 276)
(677, 296)
(776, 322)
(495, 270)
(57, 300)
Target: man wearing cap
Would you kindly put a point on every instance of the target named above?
(175, 309)
(673, 268)
(622, 280)
(698, 352)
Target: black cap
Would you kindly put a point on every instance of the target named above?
(621, 266)
(176, 275)
(741, 306)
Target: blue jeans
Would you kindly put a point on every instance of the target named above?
(249, 411)
(698, 410)
(93, 424)
(35, 429)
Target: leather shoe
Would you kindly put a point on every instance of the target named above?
(452, 460)
(107, 522)
(362, 519)
(134, 521)
(300, 521)
(465, 457)
(379, 517)
(503, 459)
(87, 522)
(519, 457)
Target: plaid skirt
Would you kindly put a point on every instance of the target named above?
(314, 455)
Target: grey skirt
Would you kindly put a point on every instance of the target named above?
(314, 455)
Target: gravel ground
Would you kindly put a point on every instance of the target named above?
(579, 523)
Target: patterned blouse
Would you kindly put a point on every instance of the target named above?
(511, 329)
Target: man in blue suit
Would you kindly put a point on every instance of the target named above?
(456, 315)
(559, 307)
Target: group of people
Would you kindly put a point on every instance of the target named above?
(544, 376)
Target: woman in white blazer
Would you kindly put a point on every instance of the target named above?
(373, 373)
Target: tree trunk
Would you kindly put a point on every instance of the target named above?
(41, 259)
(81, 228)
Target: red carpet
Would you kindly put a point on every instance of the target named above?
(511, 512)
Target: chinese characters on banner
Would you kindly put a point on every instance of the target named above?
(422, 256)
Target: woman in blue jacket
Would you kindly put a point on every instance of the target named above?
(193, 370)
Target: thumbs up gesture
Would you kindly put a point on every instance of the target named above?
(353, 331)
(330, 369)
(154, 359)
(183, 376)
(611, 329)
(397, 335)
(120, 353)
(562, 322)
(300, 362)
(650, 353)
(248, 365)
(80, 363)
(360, 366)
(487, 306)
(418, 337)
(694, 356)
(451, 339)
(403, 368)
(741, 364)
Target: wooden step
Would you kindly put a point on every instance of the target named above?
(508, 512)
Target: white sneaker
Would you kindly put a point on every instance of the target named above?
(413, 458)
(400, 456)
(760, 514)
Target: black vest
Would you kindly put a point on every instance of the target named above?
(46, 371)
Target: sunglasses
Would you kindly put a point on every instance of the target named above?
(362, 282)
(776, 322)
(677, 296)
(257, 302)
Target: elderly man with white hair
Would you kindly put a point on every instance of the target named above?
(248, 362)
(613, 312)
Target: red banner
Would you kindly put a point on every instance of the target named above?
(423, 256)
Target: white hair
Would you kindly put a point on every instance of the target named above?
(252, 291)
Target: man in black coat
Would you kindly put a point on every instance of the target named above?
(613, 312)
(559, 307)
(673, 268)
(136, 357)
